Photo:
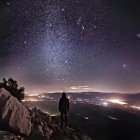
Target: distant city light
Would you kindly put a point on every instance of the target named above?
(43, 96)
(53, 115)
(33, 94)
(105, 103)
(79, 99)
(86, 118)
(112, 118)
(136, 107)
(117, 101)
(31, 100)
(68, 97)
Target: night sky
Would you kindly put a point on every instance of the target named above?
(71, 45)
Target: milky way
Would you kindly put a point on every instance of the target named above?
(71, 45)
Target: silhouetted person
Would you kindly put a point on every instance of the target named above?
(64, 108)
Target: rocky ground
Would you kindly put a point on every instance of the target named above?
(17, 122)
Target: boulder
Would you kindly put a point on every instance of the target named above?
(14, 114)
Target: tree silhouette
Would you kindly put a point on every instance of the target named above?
(12, 86)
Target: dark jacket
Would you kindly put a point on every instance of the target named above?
(64, 105)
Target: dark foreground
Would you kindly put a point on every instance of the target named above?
(98, 122)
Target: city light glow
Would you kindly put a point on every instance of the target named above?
(86, 118)
(33, 95)
(98, 101)
(136, 107)
(105, 103)
(53, 115)
(117, 101)
(112, 118)
(31, 100)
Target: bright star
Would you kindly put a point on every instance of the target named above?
(50, 25)
(79, 21)
(83, 27)
(8, 3)
(124, 65)
(138, 35)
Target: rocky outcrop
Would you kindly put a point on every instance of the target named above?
(14, 116)
(40, 123)
(49, 127)
(44, 128)
(6, 135)
(33, 123)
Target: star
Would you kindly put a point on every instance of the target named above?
(62, 9)
(8, 3)
(50, 25)
(138, 35)
(124, 66)
(79, 21)
(83, 27)
(77, 1)
(73, 40)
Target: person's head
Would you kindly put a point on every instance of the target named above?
(63, 95)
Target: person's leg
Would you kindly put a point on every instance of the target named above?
(61, 119)
(66, 119)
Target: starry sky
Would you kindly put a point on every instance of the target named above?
(71, 45)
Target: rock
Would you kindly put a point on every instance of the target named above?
(38, 130)
(5, 135)
(32, 114)
(14, 114)
(36, 113)
(36, 120)
(35, 136)
(47, 132)
(40, 123)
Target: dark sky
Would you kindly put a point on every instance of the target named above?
(71, 45)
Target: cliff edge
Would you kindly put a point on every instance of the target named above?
(17, 122)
